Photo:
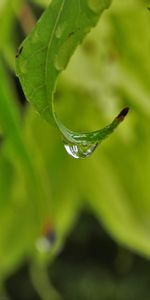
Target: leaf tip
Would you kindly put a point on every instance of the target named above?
(122, 114)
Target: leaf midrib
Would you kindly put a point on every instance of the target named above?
(49, 46)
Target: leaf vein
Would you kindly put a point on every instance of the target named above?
(50, 43)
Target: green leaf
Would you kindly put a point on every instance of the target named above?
(6, 180)
(16, 148)
(42, 3)
(8, 11)
(46, 52)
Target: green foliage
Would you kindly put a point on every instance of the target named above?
(46, 52)
(8, 10)
(39, 182)
(48, 48)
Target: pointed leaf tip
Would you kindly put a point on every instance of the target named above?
(122, 114)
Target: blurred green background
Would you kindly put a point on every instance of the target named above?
(77, 229)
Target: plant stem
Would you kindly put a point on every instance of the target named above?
(42, 284)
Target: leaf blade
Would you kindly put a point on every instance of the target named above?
(46, 52)
(42, 39)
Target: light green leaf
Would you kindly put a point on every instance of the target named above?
(42, 3)
(46, 52)
(8, 11)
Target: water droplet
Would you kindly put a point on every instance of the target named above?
(80, 150)
(63, 55)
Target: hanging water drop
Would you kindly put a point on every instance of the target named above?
(80, 150)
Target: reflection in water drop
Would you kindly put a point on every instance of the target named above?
(80, 151)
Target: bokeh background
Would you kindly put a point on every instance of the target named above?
(77, 229)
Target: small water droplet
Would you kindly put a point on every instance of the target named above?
(63, 55)
(80, 150)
